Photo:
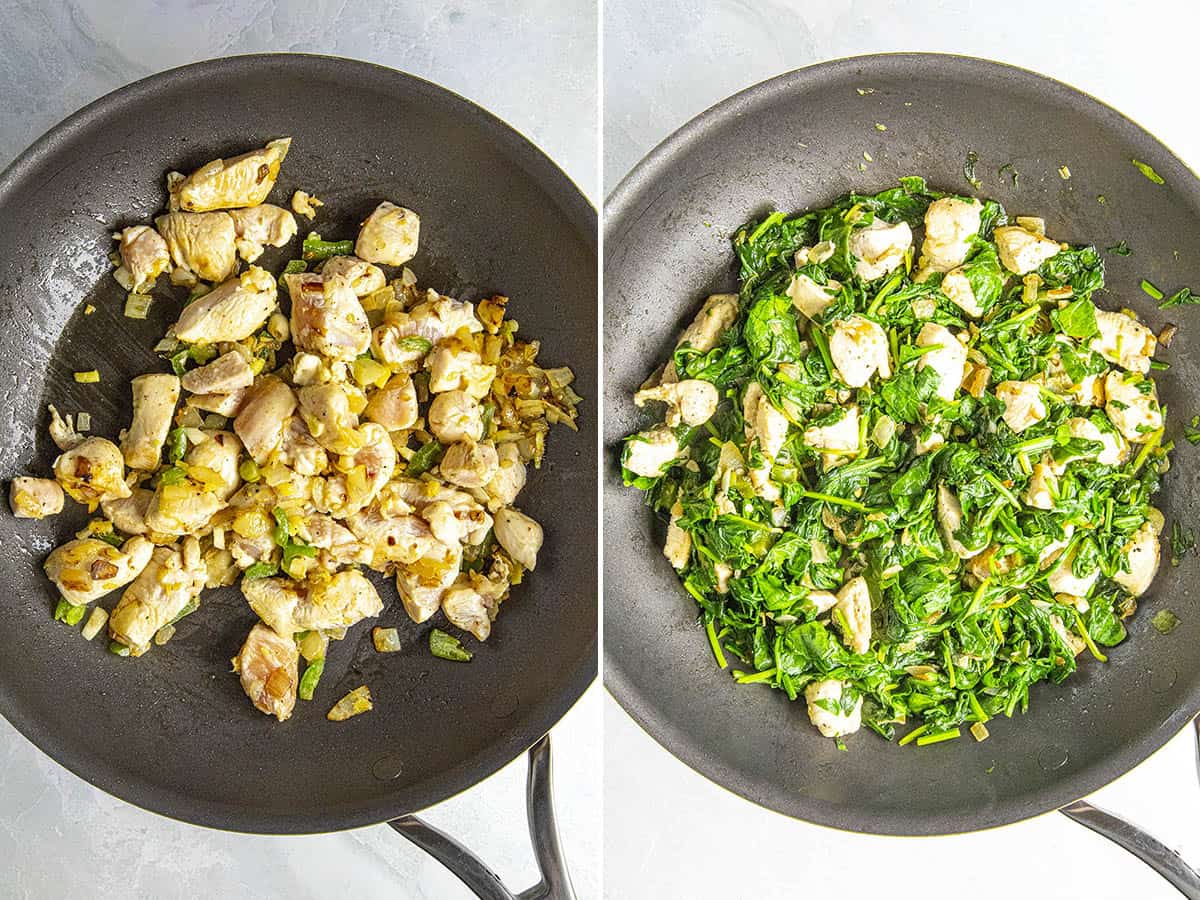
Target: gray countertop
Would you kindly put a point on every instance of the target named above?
(667, 61)
(532, 64)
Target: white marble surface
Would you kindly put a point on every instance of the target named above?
(61, 838)
(671, 833)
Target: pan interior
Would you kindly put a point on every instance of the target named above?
(797, 142)
(172, 731)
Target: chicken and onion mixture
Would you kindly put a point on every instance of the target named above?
(395, 436)
(908, 469)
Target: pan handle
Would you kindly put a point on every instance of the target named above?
(1157, 855)
(472, 871)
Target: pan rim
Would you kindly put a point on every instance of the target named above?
(618, 207)
(536, 718)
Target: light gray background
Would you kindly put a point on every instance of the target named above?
(533, 63)
(672, 833)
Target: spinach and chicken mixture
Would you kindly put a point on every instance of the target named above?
(908, 486)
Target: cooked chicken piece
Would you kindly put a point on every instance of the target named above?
(144, 256)
(650, 452)
(950, 224)
(154, 399)
(473, 522)
(879, 248)
(519, 535)
(957, 287)
(950, 515)
(1124, 341)
(201, 245)
(809, 297)
(92, 471)
(327, 318)
(262, 226)
(444, 523)
(219, 454)
(128, 514)
(859, 349)
(62, 431)
(228, 405)
(838, 439)
(394, 406)
(84, 570)
(1132, 406)
(360, 477)
(1141, 555)
(1062, 580)
(453, 366)
(767, 425)
(455, 416)
(1023, 404)
(305, 204)
(509, 479)
(246, 551)
(362, 277)
(319, 603)
(1022, 251)
(299, 450)
(263, 417)
(422, 584)
(854, 604)
(338, 542)
(928, 442)
(827, 711)
(1070, 638)
(1115, 448)
(691, 402)
(470, 465)
(35, 498)
(269, 665)
(326, 411)
(678, 548)
(764, 421)
(716, 315)
(225, 374)
(1088, 392)
(390, 539)
(230, 183)
(1043, 487)
(229, 312)
(949, 360)
(467, 609)
(389, 235)
(183, 508)
(473, 601)
(172, 579)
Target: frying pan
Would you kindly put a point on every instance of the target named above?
(796, 142)
(172, 732)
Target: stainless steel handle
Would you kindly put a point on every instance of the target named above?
(1143, 845)
(555, 883)
(1196, 725)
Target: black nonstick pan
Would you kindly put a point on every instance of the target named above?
(797, 142)
(172, 732)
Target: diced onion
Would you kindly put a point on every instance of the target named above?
(164, 634)
(355, 703)
(979, 731)
(218, 537)
(96, 621)
(83, 422)
(387, 640)
(137, 306)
